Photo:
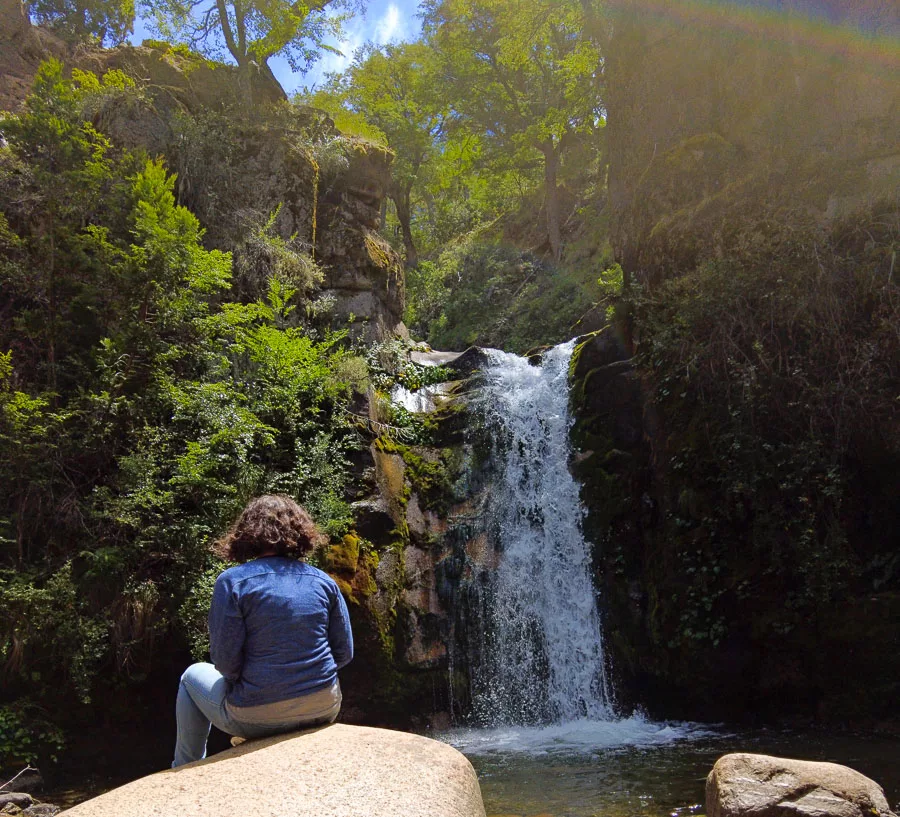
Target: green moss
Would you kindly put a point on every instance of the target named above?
(379, 254)
(343, 557)
(179, 54)
(430, 479)
(345, 588)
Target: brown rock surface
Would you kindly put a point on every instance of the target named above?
(764, 786)
(337, 771)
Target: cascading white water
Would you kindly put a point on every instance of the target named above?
(540, 657)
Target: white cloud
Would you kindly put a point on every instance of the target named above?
(390, 27)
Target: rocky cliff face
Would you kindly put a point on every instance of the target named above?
(415, 570)
(22, 47)
(242, 154)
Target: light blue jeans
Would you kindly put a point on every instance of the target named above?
(201, 704)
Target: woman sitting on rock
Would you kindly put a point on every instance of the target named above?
(278, 633)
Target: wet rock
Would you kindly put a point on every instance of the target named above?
(481, 553)
(373, 518)
(747, 785)
(414, 517)
(595, 350)
(433, 358)
(16, 798)
(468, 362)
(390, 470)
(30, 781)
(421, 643)
(41, 810)
(440, 721)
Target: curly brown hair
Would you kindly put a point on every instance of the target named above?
(273, 523)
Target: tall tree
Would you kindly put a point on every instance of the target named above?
(393, 88)
(253, 31)
(524, 74)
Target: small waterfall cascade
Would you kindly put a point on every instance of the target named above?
(538, 657)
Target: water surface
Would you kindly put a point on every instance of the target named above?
(637, 768)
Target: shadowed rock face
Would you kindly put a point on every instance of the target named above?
(336, 771)
(716, 120)
(22, 47)
(745, 785)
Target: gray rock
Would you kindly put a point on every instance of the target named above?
(42, 810)
(29, 780)
(746, 785)
(17, 798)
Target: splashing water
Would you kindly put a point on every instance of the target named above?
(540, 658)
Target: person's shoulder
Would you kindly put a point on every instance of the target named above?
(238, 573)
(316, 574)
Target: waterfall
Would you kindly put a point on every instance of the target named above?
(538, 657)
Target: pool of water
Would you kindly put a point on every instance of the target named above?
(637, 768)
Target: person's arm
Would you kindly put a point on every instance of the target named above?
(340, 637)
(226, 631)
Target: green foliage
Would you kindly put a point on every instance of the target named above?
(480, 294)
(526, 78)
(266, 258)
(106, 22)
(390, 365)
(140, 407)
(251, 32)
(193, 614)
(27, 737)
(774, 394)
(49, 633)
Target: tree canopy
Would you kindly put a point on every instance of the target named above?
(525, 76)
(252, 31)
(107, 22)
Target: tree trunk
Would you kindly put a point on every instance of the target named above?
(401, 202)
(551, 197)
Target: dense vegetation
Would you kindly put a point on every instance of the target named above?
(756, 514)
(165, 354)
(141, 406)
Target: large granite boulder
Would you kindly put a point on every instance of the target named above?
(337, 771)
(746, 785)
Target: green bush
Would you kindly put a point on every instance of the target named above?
(480, 294)
(772, 375)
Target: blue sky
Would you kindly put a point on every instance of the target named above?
(384, 21)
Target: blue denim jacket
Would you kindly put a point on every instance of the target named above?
(278, 629)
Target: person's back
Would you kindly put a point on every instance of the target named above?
(279, 631)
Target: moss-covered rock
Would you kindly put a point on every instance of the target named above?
(343, 557)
